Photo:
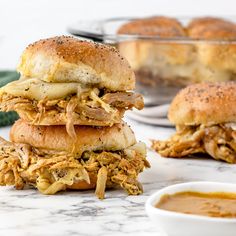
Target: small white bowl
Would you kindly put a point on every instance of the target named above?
(180, 224)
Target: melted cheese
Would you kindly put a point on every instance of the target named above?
(38, 89)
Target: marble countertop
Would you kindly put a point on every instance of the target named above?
(26, 212)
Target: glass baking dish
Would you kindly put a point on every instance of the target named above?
(164, 65)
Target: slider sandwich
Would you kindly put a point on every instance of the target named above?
(65, 81)
(205, 119)
(71, 97)
(47, 158)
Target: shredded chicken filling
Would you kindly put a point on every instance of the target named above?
(53, 171)
(93, 104)
(218, 141)
(88, 101)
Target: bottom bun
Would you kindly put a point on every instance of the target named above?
(83, 185)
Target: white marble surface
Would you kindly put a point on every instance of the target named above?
(27, 212)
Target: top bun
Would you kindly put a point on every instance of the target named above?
(204, 103)
(212, 28)
(89, 138)
(67, 59)
(154, 26)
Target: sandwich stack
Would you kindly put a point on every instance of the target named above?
(71, 98)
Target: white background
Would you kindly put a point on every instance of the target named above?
(25, 21)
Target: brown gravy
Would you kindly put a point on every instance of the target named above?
(215, 204)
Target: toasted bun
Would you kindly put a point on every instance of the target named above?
(67, 59)
(205, 103)
(159, 26)
(211, 28)
(89, 138)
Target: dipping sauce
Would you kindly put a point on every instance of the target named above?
(215, 204)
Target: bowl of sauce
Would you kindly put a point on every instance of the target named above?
(194, 209)
(215, 204)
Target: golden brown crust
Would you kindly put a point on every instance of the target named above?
(211, 28)
(64, 59)
(89, 138)
(207, 21)
(204, 103)
(154, 26)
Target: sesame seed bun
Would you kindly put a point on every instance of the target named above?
(211, 28)
(153, 26)
(204, 103)
(67, 59)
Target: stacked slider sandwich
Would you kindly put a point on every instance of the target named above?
(71, 98)
(204, 115)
